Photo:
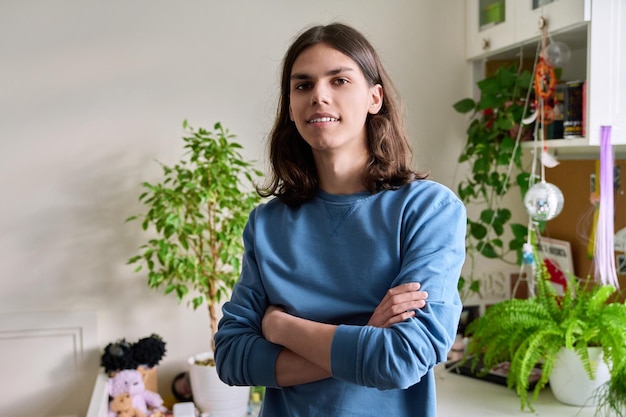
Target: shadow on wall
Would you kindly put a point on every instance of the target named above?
(78, 242)
(104, 241)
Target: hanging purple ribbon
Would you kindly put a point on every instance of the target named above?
(604, 256)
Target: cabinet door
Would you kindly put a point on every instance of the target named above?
(606, 89)
(555, 14)
(490, 26)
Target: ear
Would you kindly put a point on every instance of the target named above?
(376, 99)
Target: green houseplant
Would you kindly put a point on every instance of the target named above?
(494, 158)
(195, 216)
(527, 332)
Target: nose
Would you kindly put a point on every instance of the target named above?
(320, 94)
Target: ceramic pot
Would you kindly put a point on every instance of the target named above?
(570, 383)
(213, 396)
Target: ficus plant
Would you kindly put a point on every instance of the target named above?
(495, 167)
(194, 219)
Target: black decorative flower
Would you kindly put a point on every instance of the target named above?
(118, 356)
(148, 351)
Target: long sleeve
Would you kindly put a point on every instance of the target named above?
(242, 355)
(397, 357)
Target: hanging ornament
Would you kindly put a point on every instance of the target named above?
(594, 199)
(548, 160)
(530, 119)
(527, 254)
(543, 201)
(557, 54)
(545, 80)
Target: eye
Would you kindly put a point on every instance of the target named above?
(302, 86)
(340, 81)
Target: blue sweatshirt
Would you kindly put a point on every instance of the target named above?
(332, 260)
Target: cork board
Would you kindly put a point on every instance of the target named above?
(574, 223)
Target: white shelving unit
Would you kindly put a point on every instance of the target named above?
(595, 31)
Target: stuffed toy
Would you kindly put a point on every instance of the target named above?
(148, 351)
(118, 356)
(121, 354)
(122, 406)
(131, 382)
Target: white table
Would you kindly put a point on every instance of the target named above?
(463, 396)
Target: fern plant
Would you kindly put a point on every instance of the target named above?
(527, 332)
(611, 397)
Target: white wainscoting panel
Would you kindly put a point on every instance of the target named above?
(47, 361)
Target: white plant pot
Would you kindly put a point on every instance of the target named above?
(570, 383)
(213, 396)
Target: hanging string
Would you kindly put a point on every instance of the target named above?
(528, 262)
(520, 130)
(604, 258)
(545, 87)
(544, 77)
(518, 137)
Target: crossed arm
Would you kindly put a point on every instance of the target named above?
(305, 356)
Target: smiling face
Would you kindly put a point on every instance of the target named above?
(329, 100)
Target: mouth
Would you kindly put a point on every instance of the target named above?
(323, 120)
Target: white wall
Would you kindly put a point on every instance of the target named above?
(92, 92)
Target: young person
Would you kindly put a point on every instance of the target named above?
(330, 313)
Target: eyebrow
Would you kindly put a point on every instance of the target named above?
(304, 76)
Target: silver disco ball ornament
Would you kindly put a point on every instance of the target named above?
(543, 201)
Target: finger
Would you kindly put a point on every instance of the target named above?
(409, 305)
(407, 287)
(382, 317)
(400, 318)
(403, 298)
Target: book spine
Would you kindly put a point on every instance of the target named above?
(573, 116)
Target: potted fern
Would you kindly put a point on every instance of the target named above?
(194, 217)
(545, 328)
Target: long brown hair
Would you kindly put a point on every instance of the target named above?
(294, 177)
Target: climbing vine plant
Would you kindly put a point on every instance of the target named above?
(494, 157)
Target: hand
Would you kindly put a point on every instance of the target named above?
(398, 305)
(305, 356)
(270, 322)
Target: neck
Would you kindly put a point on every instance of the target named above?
(341, 174)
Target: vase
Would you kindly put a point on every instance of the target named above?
(213, 396)
(569, 381)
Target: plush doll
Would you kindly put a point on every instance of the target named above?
(118, 356)
(130, 381)
(146, 352)
(122, 406)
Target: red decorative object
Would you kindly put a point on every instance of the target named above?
(557, 276)
(545, 80)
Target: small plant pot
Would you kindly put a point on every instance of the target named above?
(210, 394)
(569, 381)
